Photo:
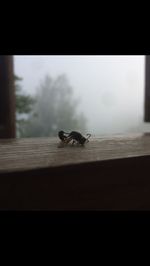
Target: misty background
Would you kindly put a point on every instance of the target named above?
(106, 93)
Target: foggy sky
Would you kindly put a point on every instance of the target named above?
(110, 88)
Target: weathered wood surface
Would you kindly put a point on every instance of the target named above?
(108, 174)
(25, 154)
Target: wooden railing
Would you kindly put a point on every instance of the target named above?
(107, 174)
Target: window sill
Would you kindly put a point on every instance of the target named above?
(38, 153)
(110, 174)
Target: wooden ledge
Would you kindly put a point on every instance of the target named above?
(37, 153)
(108, 174)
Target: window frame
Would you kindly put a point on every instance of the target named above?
(118, 184)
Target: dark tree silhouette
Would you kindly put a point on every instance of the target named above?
(24, 106)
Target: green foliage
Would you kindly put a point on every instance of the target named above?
(24, 105)
(54, 110)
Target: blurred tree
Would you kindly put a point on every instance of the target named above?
(54, 110)
(24, 105)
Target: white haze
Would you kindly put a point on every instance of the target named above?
(110, 88)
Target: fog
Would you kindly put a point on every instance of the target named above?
(110, 88)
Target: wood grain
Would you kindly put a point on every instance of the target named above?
(108, 174)
(25, 154)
